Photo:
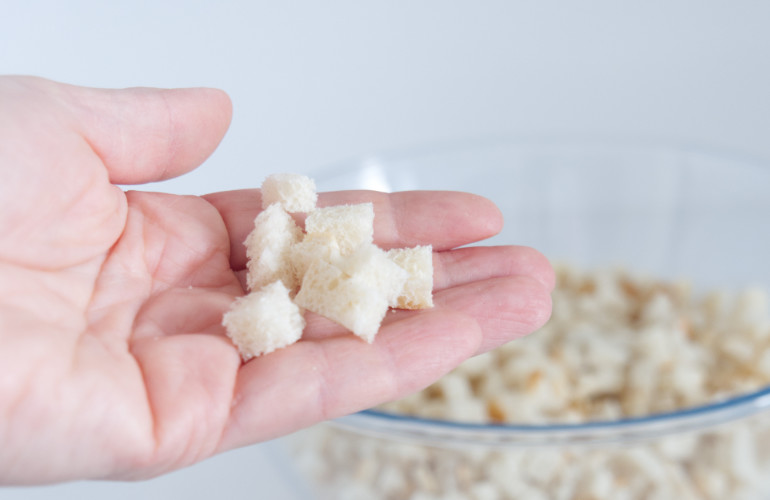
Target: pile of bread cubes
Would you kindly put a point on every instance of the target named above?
(332, 268)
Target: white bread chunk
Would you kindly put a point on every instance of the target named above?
(264, 321)
(418, 290)
(332, 268)
(267, 249)
(294, 192)
(351, 301)
(351, 225)
(371, 264)
(311, 248)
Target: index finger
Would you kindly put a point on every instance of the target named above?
(444, 219)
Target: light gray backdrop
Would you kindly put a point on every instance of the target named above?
(317, 82)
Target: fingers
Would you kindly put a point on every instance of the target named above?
(504, 308)
(145, 135)
(445, 219)
(140, 134)
(469, 264)
(315, 380)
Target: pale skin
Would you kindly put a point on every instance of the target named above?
(113, 360)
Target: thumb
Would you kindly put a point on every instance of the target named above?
(146, 135)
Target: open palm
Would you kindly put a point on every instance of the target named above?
(113, 360)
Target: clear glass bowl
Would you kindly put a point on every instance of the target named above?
(670, 212)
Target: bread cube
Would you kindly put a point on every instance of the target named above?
(371, 264)
(333, 267)
(352, 301)
(294, 192)
(351, 225)
(264, 321)
(311, 248)
(418, 289)
(267, 248)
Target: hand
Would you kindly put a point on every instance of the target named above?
(113, 360)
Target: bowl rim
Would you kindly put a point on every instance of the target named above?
(448, 433)
(456, 433)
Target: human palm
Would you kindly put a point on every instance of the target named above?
(113, 360)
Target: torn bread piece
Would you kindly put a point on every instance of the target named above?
(333, 267)
(264, 321)
(371, 264)
(351, 301)
(418, 289)
(311, 248)
(294, 192)
(350, 225)
(267, 249)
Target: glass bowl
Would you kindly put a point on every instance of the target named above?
(670, 212)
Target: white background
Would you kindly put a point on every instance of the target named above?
(317, 82)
